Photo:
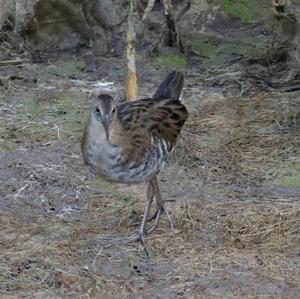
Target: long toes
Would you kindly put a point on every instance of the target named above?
(142, 233)
(148, 220)
(142, 236)
(154, 216)
(163, 209)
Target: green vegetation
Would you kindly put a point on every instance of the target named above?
(291, 177)
(246, 10)
(6, 146)
(72, 67)
(65, 112)
(218, 51)
(171, 61)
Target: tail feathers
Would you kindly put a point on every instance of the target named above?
(171, 87)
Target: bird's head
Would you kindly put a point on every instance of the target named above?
(103, 110)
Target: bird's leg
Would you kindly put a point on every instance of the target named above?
(142, 232)
(160, 202)
(153, 216)
(149, 205)
(153, 190)
(155, 225)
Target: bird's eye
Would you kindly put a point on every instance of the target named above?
(97, 110)
(113, 111)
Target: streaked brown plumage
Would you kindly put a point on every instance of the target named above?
(131, 142)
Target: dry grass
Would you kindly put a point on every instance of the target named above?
(233, 238)
(53, 256)
(244, 140)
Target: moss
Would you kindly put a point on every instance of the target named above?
(66, 112)
(208, 50)
(68, 68)
(216, 51)
(28, 107)
(47, 74)
(7, 147)
(65, 115)
(39, 72)
(246, 10)
(290, 178)
(171, 61)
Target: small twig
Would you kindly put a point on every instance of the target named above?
(22, 189)
(237, 74)
(148, 9)
(13, 62)
(187, 6)
(97, 255)
(57, 129)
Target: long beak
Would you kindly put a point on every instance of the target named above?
(105, 122)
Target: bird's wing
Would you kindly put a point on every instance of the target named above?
(148, 119)
(144, 123)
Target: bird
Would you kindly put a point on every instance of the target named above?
(130, 142)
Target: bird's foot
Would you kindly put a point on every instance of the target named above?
(159, 211)
(162, 209)
(148, 220)
(142, 235)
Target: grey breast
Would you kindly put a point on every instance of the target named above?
(154, 159)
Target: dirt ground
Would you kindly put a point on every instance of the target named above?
(232, 189)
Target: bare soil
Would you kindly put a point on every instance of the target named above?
(232, 189)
